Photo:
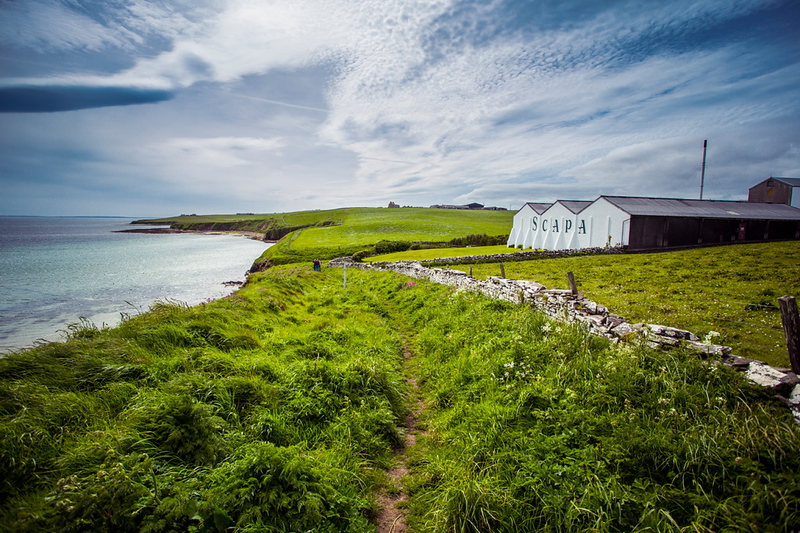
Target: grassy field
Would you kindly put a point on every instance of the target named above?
(280, 407)
(363, 227)
(535, 426)
(731, 290)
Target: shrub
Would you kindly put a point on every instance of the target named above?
(390, 247)
(362, 254)
(479, 240)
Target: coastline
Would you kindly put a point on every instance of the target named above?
(248, 234)
(60, 270)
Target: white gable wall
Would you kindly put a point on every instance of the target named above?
(605, 223)
(558, 228)
(520, 233)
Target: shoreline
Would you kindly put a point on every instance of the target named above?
(248, 234)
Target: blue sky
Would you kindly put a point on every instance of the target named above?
(155, 108)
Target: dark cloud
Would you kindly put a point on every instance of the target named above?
(49, 99)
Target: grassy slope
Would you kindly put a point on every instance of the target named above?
(273, 409)
(274, 225)
(363, 227)
(732, 290)
(276, 408)
(535, 426)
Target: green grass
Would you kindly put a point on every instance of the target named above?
(363, 227)
(732, 290)
(537, 426)
(274, 409)
(279, 408)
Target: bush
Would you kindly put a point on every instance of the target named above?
(390, 247)
(362, 254)
(479, 240)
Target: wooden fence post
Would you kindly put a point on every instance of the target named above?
(502, 271)
(791, 327)
(572, 286)
(470, 271)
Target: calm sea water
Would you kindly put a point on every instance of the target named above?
(53, 271)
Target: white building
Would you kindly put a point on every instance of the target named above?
(650, 223)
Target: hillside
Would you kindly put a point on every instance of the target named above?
(362, 227)
(285, 407)
(326, 234)
(272, 226)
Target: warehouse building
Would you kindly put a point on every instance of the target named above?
(650, 223)
(776, 191)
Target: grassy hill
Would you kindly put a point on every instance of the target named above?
(325, 234)
(362, 227)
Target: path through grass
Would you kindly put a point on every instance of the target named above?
(282, 408)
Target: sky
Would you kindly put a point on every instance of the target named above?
(157, 108)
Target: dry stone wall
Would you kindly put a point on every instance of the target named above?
(564, 306)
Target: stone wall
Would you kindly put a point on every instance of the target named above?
(564, 306)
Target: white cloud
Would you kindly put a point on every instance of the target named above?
(432, 98)
(220, 152)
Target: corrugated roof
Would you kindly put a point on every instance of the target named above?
(673, 207)
(539, 207)
(576, 206)
(793, 182)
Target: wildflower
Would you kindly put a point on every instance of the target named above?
(710, 336)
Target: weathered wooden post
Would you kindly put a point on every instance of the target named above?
(344, 277)
(791, 328)
(470, 271)
(502, 271)
(572, 286)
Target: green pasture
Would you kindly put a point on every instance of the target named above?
(363, 227)
(731, 290)
(532, 425)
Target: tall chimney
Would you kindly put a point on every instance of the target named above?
(703, 169)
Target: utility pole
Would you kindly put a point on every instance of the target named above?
(703, 169)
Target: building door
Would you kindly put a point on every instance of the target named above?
(742, 231)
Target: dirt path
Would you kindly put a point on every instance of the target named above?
(392, 500)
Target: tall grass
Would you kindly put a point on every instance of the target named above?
(537, 426)
(272, 410)
(277, 409)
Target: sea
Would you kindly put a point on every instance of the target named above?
(58, 271)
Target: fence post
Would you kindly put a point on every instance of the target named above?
(502, 271)
(791, 327)
(344, 277)
(470, 271)
(572, 286)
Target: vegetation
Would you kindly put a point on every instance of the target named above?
(442, 253)
(364, 227)
(326, 234)
(536, 426)
(274, 409)
(278, 409)
(731, 290)
(272, 226)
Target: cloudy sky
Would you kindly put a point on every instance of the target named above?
(151, 108)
